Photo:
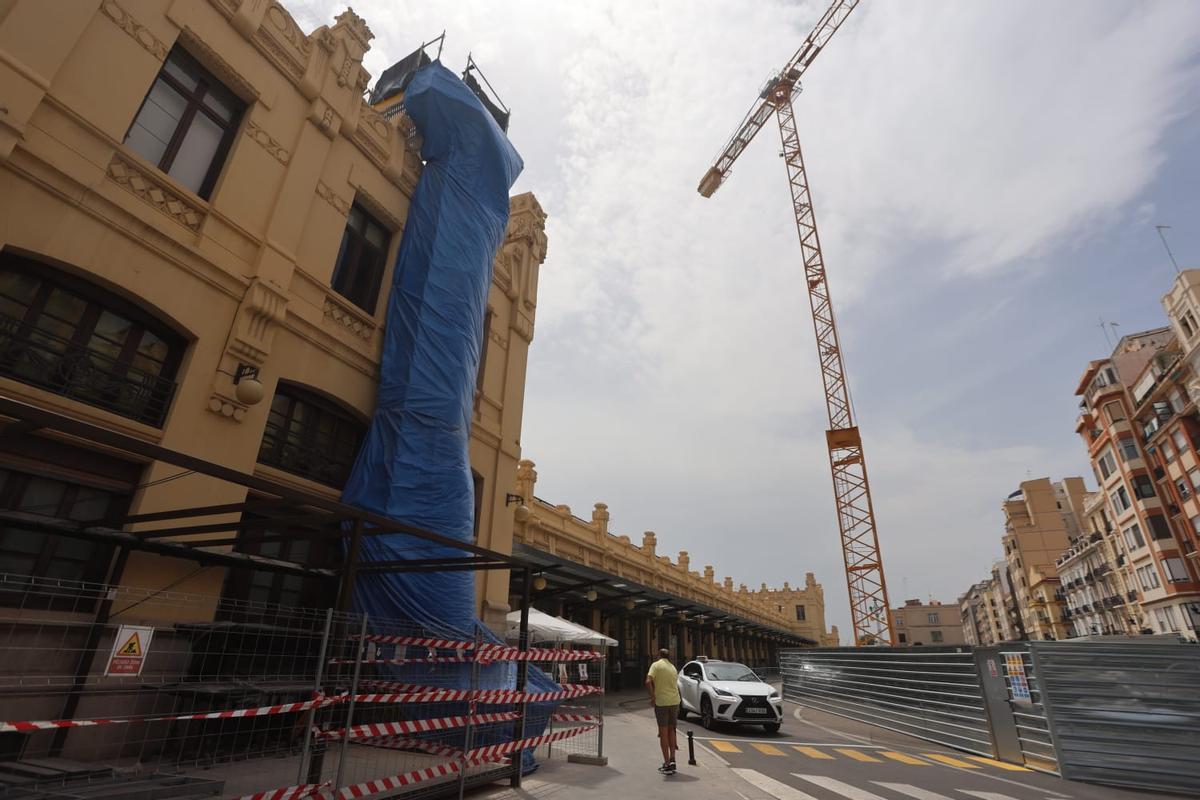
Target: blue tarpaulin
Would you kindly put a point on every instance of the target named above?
(414, 465)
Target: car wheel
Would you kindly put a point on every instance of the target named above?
(771, 727)
(682, 711)
(706, 717)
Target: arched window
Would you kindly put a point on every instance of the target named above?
(310, 436)
(66, 336)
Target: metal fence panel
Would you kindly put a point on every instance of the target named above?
(1125, 714)
(930, 693)
(1026, 699)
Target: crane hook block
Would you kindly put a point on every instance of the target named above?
(709, 183)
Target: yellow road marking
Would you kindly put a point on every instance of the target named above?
(903, 758)
(811, 752)
(725, 747)
(769, 749)
(953, 762)
(991, 762)
(857, 755)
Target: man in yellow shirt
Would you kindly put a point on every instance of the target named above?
(662, 681)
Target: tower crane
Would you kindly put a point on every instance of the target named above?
(869, 609)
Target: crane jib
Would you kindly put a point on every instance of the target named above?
(870, 612)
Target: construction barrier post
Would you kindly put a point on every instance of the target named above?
(360, 648)
(305, 752)
(691, 750)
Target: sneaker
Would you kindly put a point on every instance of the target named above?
(666, 769)
(671, 766)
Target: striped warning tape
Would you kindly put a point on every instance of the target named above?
(575, 718)
(285, 708)
(290, 793)
(418, 641)
(496, 750)
(459, 659)
(408, 743)
(488, 696)
(378, 785)
(377, 729)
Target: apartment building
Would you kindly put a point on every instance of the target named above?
(922, 624)
(988, 609)
(1040, 520)
(1098, 586)
(1138, 423)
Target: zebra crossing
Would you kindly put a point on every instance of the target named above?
(825, 787)
(860, 755)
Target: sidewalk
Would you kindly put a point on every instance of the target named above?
(631, 744)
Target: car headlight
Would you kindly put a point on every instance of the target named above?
(723, 692)
(774, 695)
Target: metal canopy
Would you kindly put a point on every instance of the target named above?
(570, 582)
(273, 503)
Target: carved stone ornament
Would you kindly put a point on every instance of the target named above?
(138, 32)
(266, 142)
(356, 26)
(262, 311)
(358, 324)
(144, 185)
(339, 204)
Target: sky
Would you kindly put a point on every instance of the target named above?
(987, 178)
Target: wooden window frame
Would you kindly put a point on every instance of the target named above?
(343, 418)
(350, 260)
(195, 104)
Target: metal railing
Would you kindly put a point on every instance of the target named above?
(144, 692)
(1029, 713)
(58, 365)
(930, 693)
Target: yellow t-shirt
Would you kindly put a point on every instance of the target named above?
(666, 683)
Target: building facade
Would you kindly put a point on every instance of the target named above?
(194, 199)
(923, 624)
(646, 601)
(1040, 520)
(1097, 587)
(1138, 421)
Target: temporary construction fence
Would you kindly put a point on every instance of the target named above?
(198, 696)
(1118, 712)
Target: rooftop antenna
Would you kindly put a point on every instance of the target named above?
(1160, 229)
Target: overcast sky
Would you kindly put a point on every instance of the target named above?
(986, 176)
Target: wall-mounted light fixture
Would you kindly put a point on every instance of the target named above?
(630, 604)
(249, 389)
(591, 595)
(539, 583)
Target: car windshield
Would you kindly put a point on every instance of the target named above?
(731, 672)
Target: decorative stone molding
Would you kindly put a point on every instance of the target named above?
(227, 408)
(373, 135)
(146, 186)
(283, 42)
(136, 31)
(356, 26)
(262, 311)
(218, 66)
(330, 196)
(267, 142)
(357, 323)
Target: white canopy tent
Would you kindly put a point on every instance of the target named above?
(544, 628)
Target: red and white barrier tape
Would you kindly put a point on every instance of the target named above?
(575, 718)
(406, 743)
(493, 751)
(418, 641)
(290, 793)
(377, 729)
(285, 708)
(407, 779)
(487, 696)
(460, 659)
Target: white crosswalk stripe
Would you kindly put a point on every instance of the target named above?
(844, 789)
(908, 790)
(987, 795)
(781, 791)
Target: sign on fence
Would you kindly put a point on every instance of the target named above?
(1018, 682)
(129, 650)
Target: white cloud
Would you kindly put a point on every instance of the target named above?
(673, 375)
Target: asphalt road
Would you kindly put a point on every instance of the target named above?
(818, 756)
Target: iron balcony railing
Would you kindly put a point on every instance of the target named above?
(306, 453)
(50, 362)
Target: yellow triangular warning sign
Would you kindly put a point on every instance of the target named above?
(133, 647)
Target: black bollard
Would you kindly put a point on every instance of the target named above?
(691, 751)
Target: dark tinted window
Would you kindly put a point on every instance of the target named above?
(359, 269)
(310, 436)
(65, 336)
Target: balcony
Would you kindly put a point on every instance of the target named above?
(41, 359)
(1132, 595)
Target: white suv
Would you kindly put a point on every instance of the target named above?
(728, 692)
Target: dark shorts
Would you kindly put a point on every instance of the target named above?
(666, 715)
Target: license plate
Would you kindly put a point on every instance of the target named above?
(755, 710)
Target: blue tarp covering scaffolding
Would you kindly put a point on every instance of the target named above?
(414, 465)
